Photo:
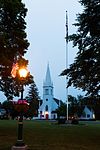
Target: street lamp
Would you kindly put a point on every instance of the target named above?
(20, 145)
(23, 74)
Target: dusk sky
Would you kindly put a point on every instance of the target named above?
(46, 34)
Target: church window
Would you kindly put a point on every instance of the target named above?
(46, 108)
(46, 91)
(51, 92)
(40, 112)
(88, 115)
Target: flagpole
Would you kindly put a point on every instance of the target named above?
(66, 38)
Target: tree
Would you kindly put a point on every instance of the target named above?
(13, 42)
(33, 99)
(7, 105)
(85, 71)
(73, 109)
(73, 105)
(61, 111)
(12, 30)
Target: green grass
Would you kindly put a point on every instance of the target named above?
(46, 135)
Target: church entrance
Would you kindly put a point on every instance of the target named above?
(47, 116)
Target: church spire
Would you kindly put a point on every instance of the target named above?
(48, 81)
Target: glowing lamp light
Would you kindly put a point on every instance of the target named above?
(23, 72)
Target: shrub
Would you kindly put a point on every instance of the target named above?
(75, 121)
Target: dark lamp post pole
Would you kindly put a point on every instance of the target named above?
(20, 145)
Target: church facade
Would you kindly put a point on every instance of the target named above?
(49, 104)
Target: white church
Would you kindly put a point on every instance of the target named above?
(49, 104)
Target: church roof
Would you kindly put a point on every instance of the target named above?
(57, 101)
(48, 81)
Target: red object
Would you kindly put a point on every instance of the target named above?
(22, 101)
(22, 105)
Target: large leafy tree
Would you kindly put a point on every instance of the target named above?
(33, 99)
(13, 42)
(85, 71)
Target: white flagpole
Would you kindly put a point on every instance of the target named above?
(66, 38)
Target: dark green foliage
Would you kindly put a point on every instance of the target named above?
(13, 42)
(33, 99)
(61, 111)
(7, 86)
(10, 110)
(74, 121)
(76, 106)
(62, 120)
(12, 30)
(84, 73)
(73, 106)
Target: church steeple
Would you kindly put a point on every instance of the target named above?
(48, 103)
(48, 81)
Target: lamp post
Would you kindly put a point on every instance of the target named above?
(20, 145)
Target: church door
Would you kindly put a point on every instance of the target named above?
(47, 116)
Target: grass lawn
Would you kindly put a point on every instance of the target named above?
(46, 135)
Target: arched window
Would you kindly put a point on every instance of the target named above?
(46, 108)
